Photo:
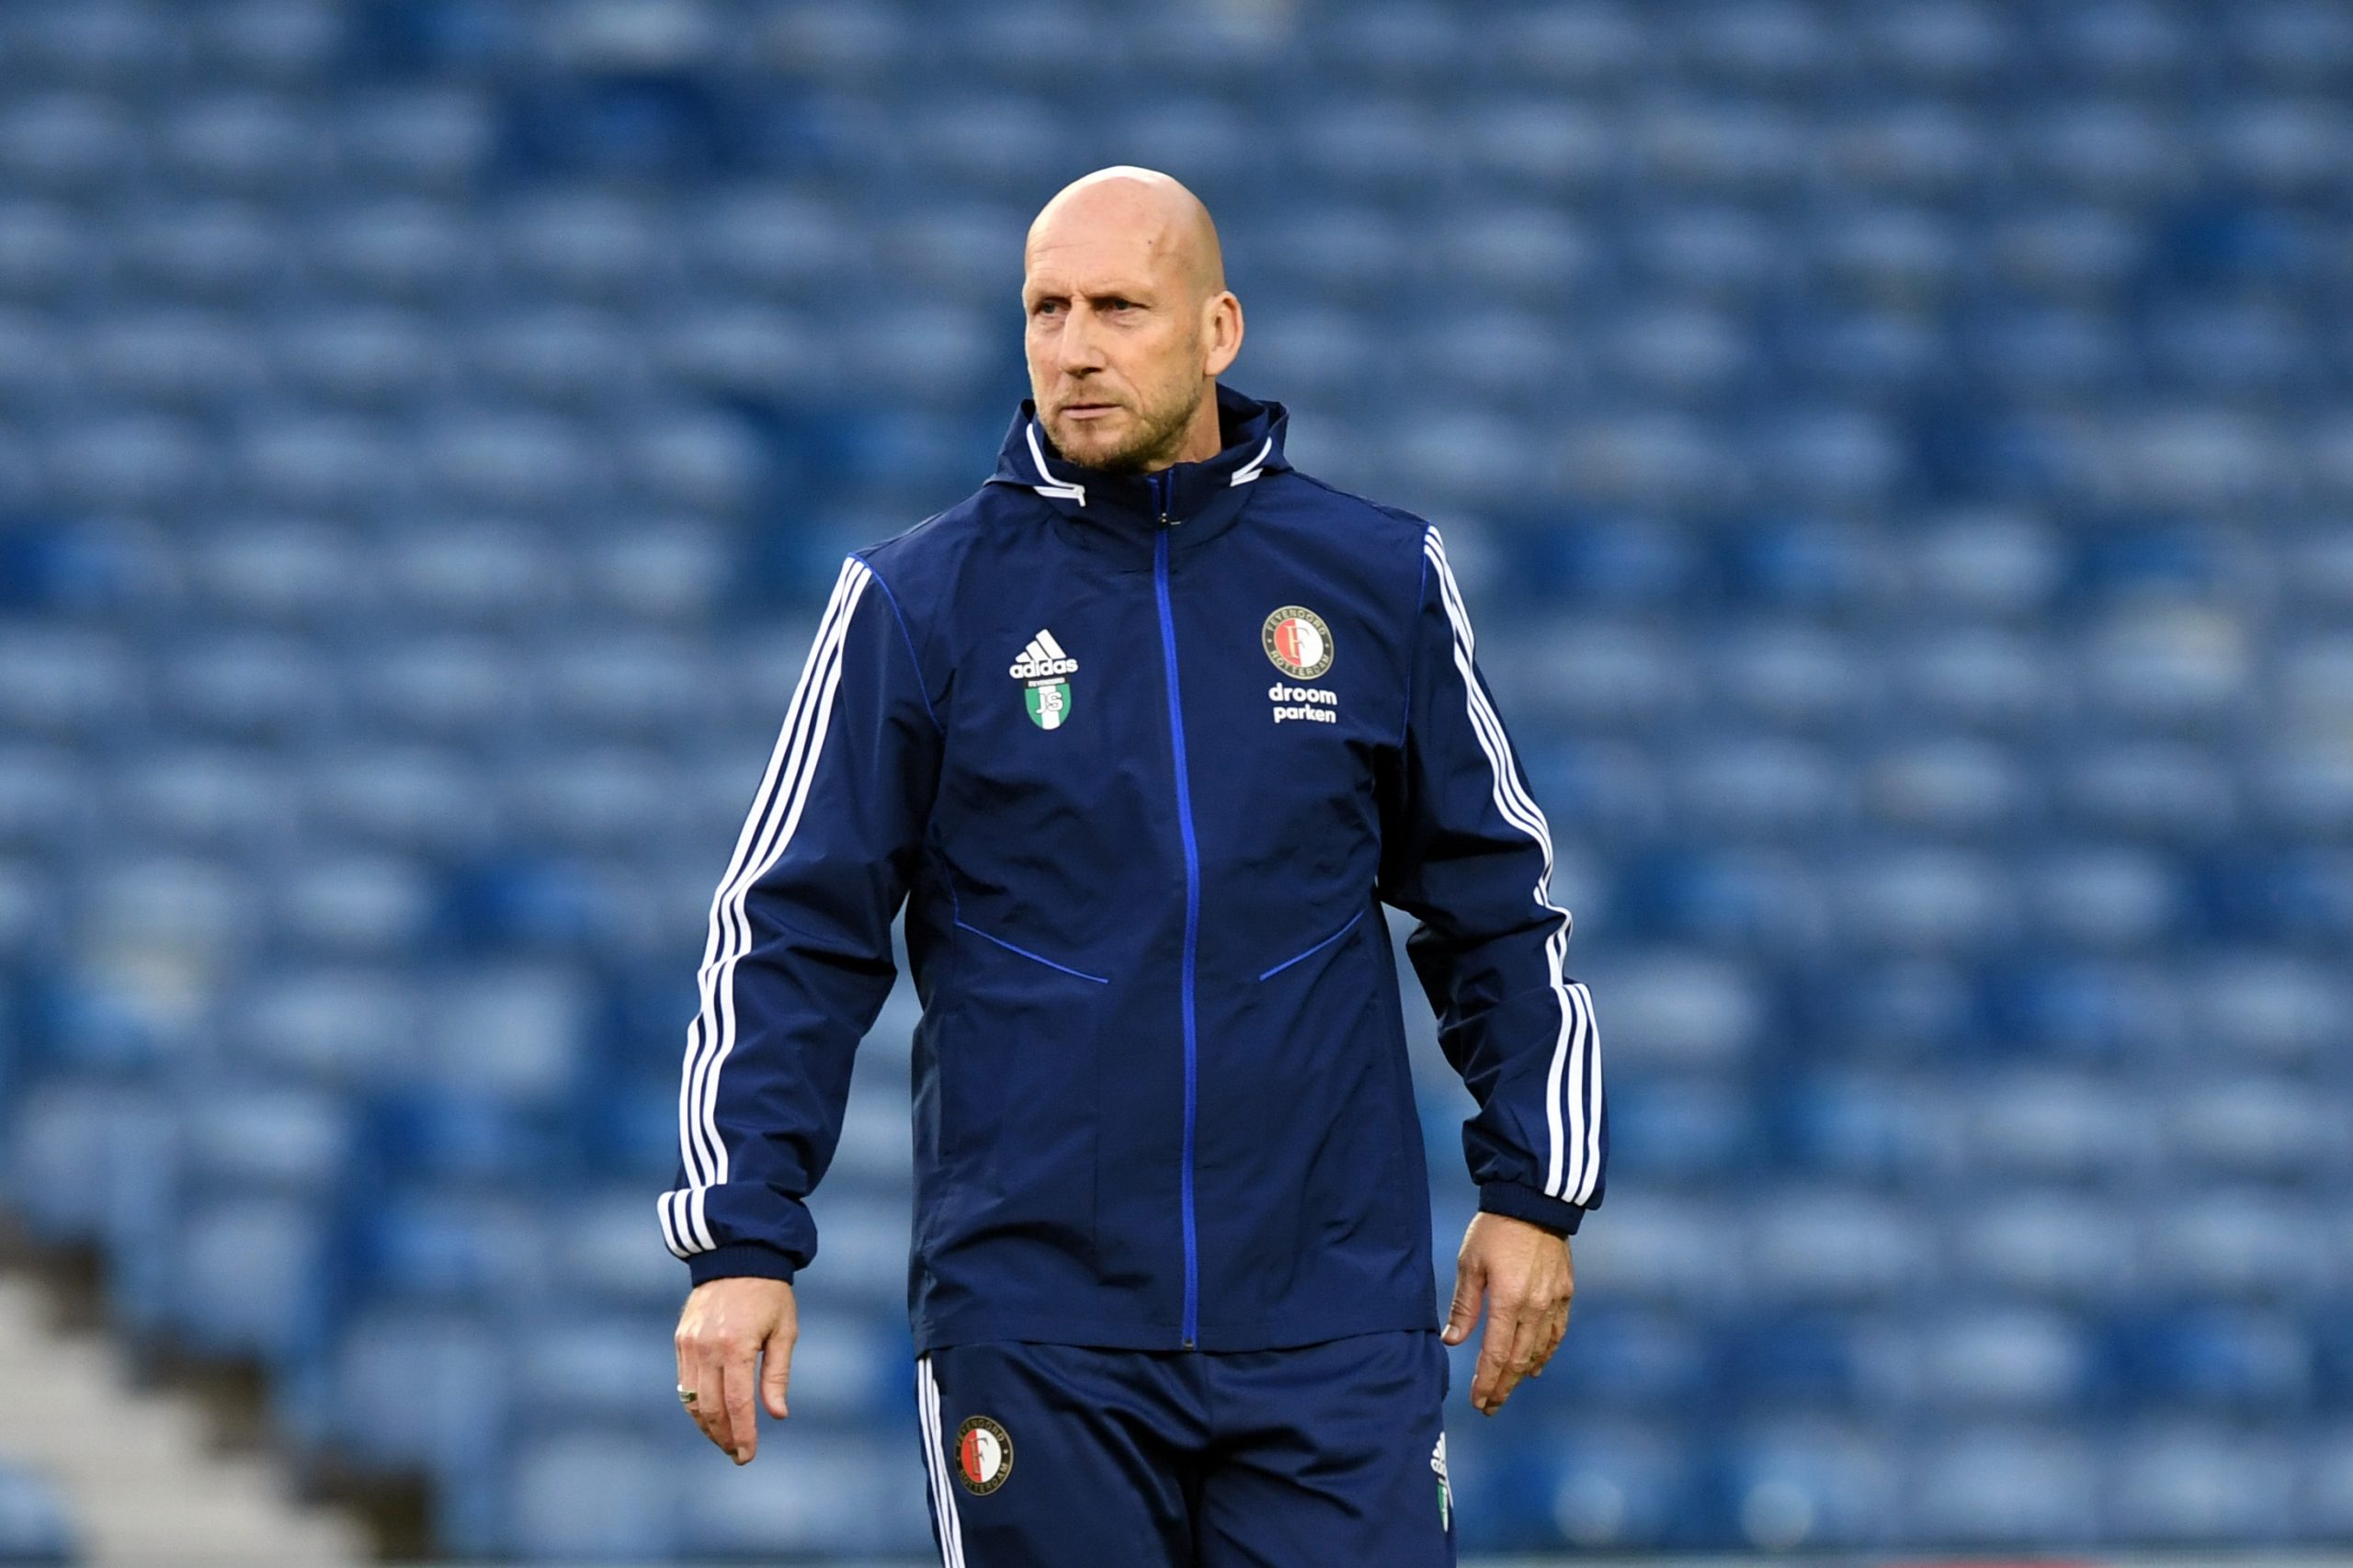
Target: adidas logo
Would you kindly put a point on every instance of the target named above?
(1043, 659)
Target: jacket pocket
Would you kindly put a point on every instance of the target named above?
(1035, 958)
(1319, 947)
(1020, 1058)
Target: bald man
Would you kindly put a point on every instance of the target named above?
(1144, 736)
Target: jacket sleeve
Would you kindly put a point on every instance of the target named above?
(1466, 851)
(798, 960)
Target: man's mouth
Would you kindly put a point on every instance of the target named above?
(1088, 409)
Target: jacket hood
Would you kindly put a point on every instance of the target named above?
(1252, 433)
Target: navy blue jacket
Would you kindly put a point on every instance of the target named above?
(1143, 756)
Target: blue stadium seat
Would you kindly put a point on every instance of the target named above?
(1595, 42)
(1771, 45)
(1982, 677)
(257, 686)
(1689, 1009)
(742, 347)
(36, 370)
(449, 1249)
(987, 142)
(1593, 1483)
(1680, 1251)
(1859, 1125)
(1792, 1484)
(2292, 39)
(1681, 1132)
(251, 1276)
(2269, 1008)
(573, 1370)
(555, 355)
(423, 136)
(272, 40)
(66, 141)
(243, 141)
(1833, 1247)
(2160, 788)
(265, 1138)
(113, 42)
(80, 1159)
(46, 796)
(353, 904)
(2065, 250)
(1193, 133)
(2280, 145)
(410, 797)
(584, 241)
(35, 1527)
(2179, 1485)
(1548, 144)
(416, 1389)
(713, 460)
(2042, 1248)
(1921, 148)
(1938, 43)
(2007, 1361)
(2324, 1497)
(2248, 1246)
(1680, 352)
(2052, 1126)
(1950, 787)
(359, 355)
(597, 1496)
(396, 247)
(672, 567)
(1924, 900)
(2033, 1487)
(1766, 789)
(2110, 898)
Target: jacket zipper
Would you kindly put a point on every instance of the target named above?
(1161, 491)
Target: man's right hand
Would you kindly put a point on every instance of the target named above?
(733, 1333)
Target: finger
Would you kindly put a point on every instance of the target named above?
(1556, 1324)
(1464, 1315)
(775, 1373)
(1517, 1327)
(740, 1383)
(1494, 1344)
(710, 1407)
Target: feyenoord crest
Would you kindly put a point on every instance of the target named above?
(983, 1455)
(1044, 667)
(1298, 642)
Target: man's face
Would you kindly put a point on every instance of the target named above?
(1115, 348)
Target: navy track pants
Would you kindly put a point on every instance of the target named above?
(1069, 1456)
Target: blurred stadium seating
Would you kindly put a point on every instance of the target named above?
(1900, 455)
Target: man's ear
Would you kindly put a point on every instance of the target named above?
(1221, 330)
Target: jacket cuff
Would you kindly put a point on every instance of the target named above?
(738, 1260)
(1508, 1198)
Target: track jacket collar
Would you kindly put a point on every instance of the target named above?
(1200, 498)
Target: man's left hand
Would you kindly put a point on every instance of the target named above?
(1526, 1274)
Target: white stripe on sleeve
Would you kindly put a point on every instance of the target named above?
(1566, 1170)
(766, 832)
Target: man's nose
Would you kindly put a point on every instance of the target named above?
(1078, 349)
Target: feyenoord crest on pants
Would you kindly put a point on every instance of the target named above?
(1068, 1455)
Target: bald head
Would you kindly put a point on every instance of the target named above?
(1152, 213)
(1129, 320)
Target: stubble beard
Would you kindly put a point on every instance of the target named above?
(1155, 441)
